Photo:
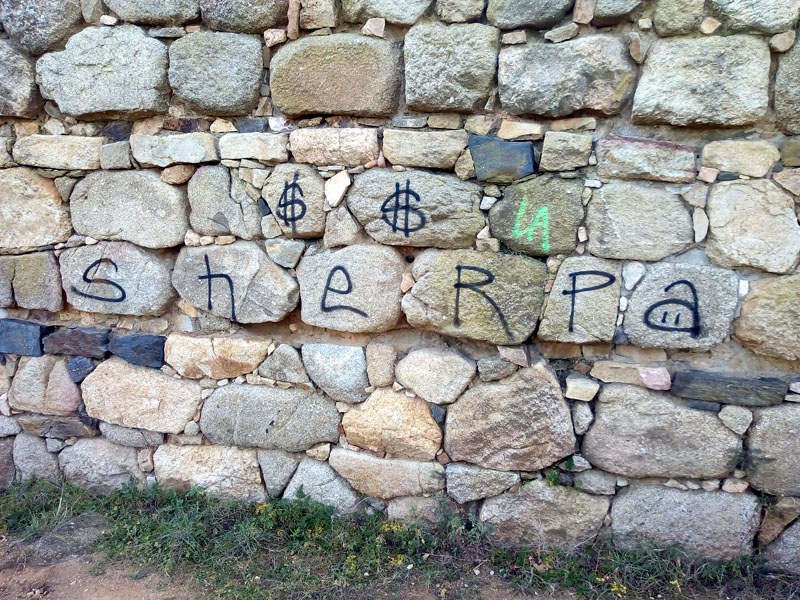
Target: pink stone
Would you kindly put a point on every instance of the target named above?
(583, 11)
(707, 174)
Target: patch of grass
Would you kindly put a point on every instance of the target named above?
(294, 551)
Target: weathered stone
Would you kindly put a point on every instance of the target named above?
(284, 364)
(582, 307)
(34, 206)
(782, 555)
(460, 11)
(268, 148)
(654, 378)
(22, 337)
(776, 518)
(248, 16)
(413, 509)
(40, 25)
(347, 146)
(610, 12)
(581, 388)
(353, 289)
(19, 96)
(217, 358)
(589, 73)
(438, 376)
(166, 150)
(120, 393)
(342, 229)
(539, 14)
(116, 155)
(258, 290)
(757, 16)
(637, 222)
(640, 433)
(8, 427)
(389, 477)
(407, 13)
(392, 423)
(341, 371)
(156, 214)
(787, 107)
(317, 14)
(772, 446)
(32, 459)
(698, 314)
(729, 388)
(97, 465)
(134, 438)
(59, 151)
(636, 158)
(753, 224)
(43, 385)
(788, 179)
(56, 427)
(451, 289)
(200, 71)
(79, 368)
(595, 481)
(120, 279)
(31, 281)
(285, 253)
(380, 363)
(494, 368)
(539, 217)
(544, 516)
(219, 470)
(769, 323)
(155, 12)
(216, 210)
(677, 17)
(466, 483)
(520, 423)
(711, 525)
(144, 349)
(498, 161)
(443, 211)
(704, 81)
(431, 149)
(563, 151)
(7, 470)
(296, 196)
(69, 540)
(321, 483)
(107, 73)
(736, 418)
(270, 418)
(449, 68)
(344, 74)
(277, 468)
(751, 158)
(79, 341)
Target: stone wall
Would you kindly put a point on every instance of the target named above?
(536, 260)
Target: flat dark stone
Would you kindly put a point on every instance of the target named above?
(22, 337)
(251, 125)
(438, 413)
(73, 538)
(703, 405)
(117, 131)
(55, 427)
(79, 368)
(729, 389)
(143, 349)
(727, 176)
(78, 341)
(499, 161)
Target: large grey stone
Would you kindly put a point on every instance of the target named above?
(637, 222)
(131, 206)
(641, 433)
(168, 150)
(98, 465)
(521, 423)
(431, 149)
(107, 73)
(19, 96)
(216, 210)
(238, 281)
(284, 364)
(787, 88)
(33, 205)
(772, 445)
(42, 385)
(117, 278)
(341, 371)
(452, 287)
(129, 436)
(270, 418)
(40, 25)
(31, 281)
(769, 322)
(466, 482)
(539, 14)
(217, 73)
(416, 208)
(590, 73)
(450, 67)
(610, 12)
(155, 12)
(296, 196)
(712, 525)
(665, 311)
(32, 459)
(753, 224)
(638, 158)
(545, 517)
(677, 17)
(355, 289)
(321, 483)
(59, 151)
(438, 376)
(402, 13)
(716, 80)
(539, 217)
(277, 468)
(248, 16)
(341, 74)
(783, 555)
(756, 16)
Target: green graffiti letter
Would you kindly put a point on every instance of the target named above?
(541, 220)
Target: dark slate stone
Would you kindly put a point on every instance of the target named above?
(499, 161)
(78, 341)
(251, 125)
(143, 349)
(79, 368)
(186, 124)
(729, 389)
(703, 405)
(727, 176)
(117, 131)
(22, 337)
(85, 418)
(55, 427)
(438, 413)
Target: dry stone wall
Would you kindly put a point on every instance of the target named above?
(534, 260)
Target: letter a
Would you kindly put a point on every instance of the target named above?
(541, 220)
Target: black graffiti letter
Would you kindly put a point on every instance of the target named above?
(475, 287)
(575, 291)
(209, 276)
(341, 291)
(90, 280)
(692, 307)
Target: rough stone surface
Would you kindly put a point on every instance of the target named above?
(106, 73)
(717, 80)
(520, 423)
(514, 283)
(59, 151)
(217, 210)
(460, 11)
(144, 349)
(595, 481)
(347, 146)
(782, 555)
(128, 436)
(340, 74)
(98, 465)
(40, 25)
(217, 73)
(269, 418)
(564, 151)
(545, 517)
(772, 445)
(406, 13)
(341, 371)
(248, 16)
(22, 338)
(31, 281)
(7, 470)
(466, 482)
(539, 14)
(387, 478)
(636, 158)
(214, 357)
(728, 388)
(55, 427)
(609, 12)
(420, 508)
(19, 96)
(736, 418)
(123, 394)
(590, 73)
(497, 161)
(711, 524)
(494, 368)
(298, 211)
(438, 376)
(321, 483)
(757, 16)
(167, 150)
(769, 323)
(155, 12)
(268, 148)
(32, 459)
(787, 107)
(640, 433)
(431, 149)
(43, 385)
(751, 158)
(277, 468)
(284, 364)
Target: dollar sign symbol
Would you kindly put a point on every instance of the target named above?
(400, 202)
(289, 204)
